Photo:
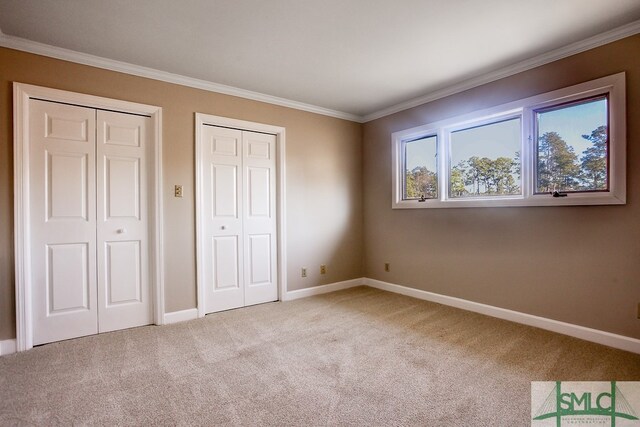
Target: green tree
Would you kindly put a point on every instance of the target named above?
(458, 188)
(410, 188)
(476, 173)
(486, 171)
(421, 182)
(501, 177)
(512, 186)
(594, 160)
(485, 176)
(557, 164)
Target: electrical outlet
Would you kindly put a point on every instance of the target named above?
(177, 191)
(323, 269)
(387, 267)
(303, 273)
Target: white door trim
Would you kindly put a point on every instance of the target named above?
(279, 132)
(21, 95)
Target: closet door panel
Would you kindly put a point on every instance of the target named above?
(222, 247)
(260, 222)
(124, 295)
(62, 217)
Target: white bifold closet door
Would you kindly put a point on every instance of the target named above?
(239, 218)
(89, 221)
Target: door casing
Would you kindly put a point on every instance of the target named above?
(21, 95)
(206, 119)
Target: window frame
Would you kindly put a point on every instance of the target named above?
(494, 119)
(568, 104)
(403, 161)
(611, 86)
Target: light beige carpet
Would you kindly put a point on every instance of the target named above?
(355, 357)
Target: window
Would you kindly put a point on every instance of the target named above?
(572, 147)
(565, 147)
(485, 160)
(421, 170)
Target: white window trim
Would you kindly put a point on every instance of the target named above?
(613, 86)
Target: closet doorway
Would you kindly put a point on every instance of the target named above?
(87, 227)
(239, 213)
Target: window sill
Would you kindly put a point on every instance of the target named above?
(579, 199)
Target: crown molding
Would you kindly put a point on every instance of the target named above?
(37, 48)
(528, 64)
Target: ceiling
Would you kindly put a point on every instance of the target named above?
(353, 56)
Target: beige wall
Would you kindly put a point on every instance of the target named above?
(574, 264)
(324, 175)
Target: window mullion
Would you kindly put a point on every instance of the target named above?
(527, 153)
(443, 162)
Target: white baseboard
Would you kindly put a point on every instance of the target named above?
(588, 334)
(180, 316)
(322, 289)
(7, 347)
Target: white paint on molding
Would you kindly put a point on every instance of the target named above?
(7, 347)
(588, 334)
(180, 316)
(322, 289)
